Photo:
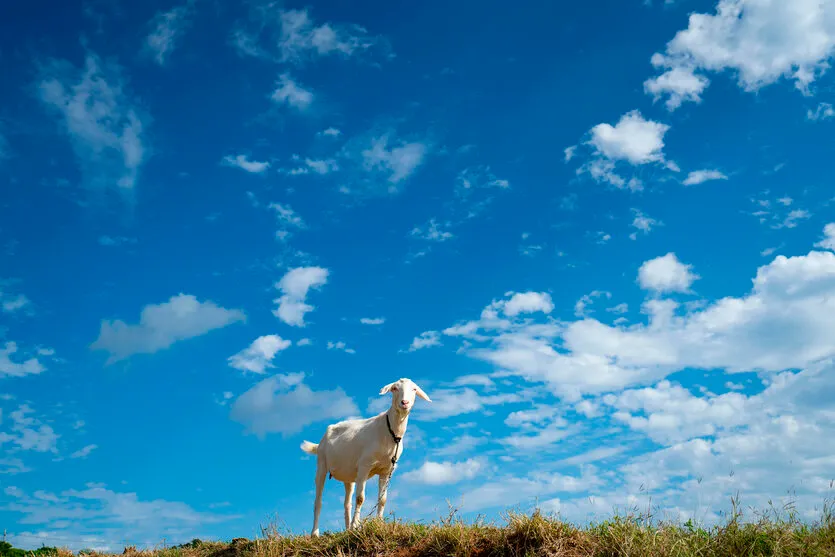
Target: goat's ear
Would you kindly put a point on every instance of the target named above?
(387, 388)
(419, 392)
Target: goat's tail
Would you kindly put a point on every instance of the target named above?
(310, 448)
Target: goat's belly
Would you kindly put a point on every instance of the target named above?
(344, 474)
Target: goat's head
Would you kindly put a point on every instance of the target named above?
(403, 392)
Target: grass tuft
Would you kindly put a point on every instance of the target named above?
(778, 533)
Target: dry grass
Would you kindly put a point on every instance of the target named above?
(772, 534)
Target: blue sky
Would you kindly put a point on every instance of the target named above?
(596, 234)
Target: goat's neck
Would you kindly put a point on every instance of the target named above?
(398, 421)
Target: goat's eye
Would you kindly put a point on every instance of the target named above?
(394, 388)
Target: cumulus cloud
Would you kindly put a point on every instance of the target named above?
(680, 83)
(259, 355)
(666, 274)
(160, 325)
(828, 241)
(294, 287)
(373, 320)
(244, 163)
(782, 323)
(701, 176)
(444, 473)
(284, 404)
(759, 41)
(103, 122)
(634, 141)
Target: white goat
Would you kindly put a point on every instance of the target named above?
(353, 451)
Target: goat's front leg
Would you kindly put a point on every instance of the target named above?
(363, 471)
(382, 493)
(349, 491)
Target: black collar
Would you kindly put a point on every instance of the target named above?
(395, 437)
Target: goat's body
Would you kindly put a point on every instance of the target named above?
(353, 451)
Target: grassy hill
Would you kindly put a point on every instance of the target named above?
(531, 535)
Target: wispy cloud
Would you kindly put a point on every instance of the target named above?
(167, 28)
(103, 122)
(244, 163)
(291, 93)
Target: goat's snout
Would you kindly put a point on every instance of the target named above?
(404, 402)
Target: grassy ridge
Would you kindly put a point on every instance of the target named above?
(536, 534)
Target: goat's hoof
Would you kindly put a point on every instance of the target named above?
(315, 533)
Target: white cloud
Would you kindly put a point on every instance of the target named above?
(373, 320)
(104, 124)
(509, 490)
(160, 325)
(243, 162)
(642, 223)
(824, 111)
(527, 302)
(680, 83)
(701, 176)
(287, 218)
(300, 38)
(632, 139)
(666, 274)
(478, 177)
(259, 355)
(284, 404)
(28, 433)
(828, 241)
(760, 41)
(331, 132)
(12, 368)
(398, 161)
(12, 303)
(784, 322)
(426, 339)
(304, 342)
(340, 345)
(97, 517)
(84, 452)
(167, 28)
(445, 473)
(433, 231)
(294, 287)
(581, 307)
(289, 92)
(322, 167)
(569, 152)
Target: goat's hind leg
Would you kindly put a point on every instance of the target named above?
(321, 476)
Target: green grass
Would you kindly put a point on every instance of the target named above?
(536, 534)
